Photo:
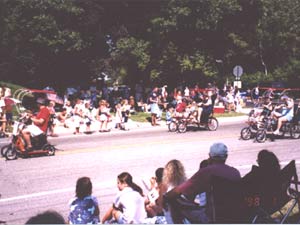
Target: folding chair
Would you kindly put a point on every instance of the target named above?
(225, 201)
(264, 199)
(185, 211)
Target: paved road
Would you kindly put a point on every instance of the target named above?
(28, 186)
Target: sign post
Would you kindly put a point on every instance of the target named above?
(237, 72)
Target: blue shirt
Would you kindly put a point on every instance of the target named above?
(82, 211)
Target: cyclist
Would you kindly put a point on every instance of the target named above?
(286, 114)
(39, 125)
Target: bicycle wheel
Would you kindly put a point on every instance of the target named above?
(246, 133)
(4, 149)
(261, 136)
(182, 127)
(11, 153)
(50, 149)
(212, 124)
(172, 126)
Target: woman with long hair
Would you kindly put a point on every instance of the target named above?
(129, 204)
(173, 175)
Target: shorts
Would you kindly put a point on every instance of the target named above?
(154, 108)
(120, 219)
(103, 118)
(288, 117)
(34, 130)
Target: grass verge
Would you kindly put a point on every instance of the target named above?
(146, 117)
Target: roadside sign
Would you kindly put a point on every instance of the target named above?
(237, 71)
(237, 83)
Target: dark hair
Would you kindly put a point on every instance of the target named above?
(159, 174)
(126, 178)
(83, 187)
(204, 163)
(47, 217)
(268, 161)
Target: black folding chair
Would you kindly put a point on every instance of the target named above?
(264, 198)
(225, 201)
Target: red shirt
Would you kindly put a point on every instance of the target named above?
(181, 107)
(200, 181)
(43, 114)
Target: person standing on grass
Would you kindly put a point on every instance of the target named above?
(153, 100)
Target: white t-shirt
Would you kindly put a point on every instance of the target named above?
(132, 204)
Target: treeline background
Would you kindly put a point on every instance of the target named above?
(69, 42)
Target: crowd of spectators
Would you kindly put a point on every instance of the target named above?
(133, 205)
(111, 107)
(90, 110)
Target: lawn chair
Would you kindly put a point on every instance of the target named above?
(265, 198)
(225, 201)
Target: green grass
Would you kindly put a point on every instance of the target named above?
(146, 117)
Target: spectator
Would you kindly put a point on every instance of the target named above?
(186, 92)
(174, 175)
(2, 112)
(255, 95)
(230, 106)
(153, 100)
(118, 116)
(129, 204)
(154, 197)
(88, 116)
(201, 198)
(84, 207)
(268, 167)
(139, 91)
(62, 117)
(78, 115)
(125, 111)
(164, 93)
(47, 217)
(52, 120)
(263, 179)
(201, 181)
(103, 116)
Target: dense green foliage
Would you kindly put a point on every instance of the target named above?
(49, 42)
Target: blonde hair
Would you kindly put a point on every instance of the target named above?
(174, 173)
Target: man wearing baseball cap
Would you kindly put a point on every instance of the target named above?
(201, 181)
(39, 123)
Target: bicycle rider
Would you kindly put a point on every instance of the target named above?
(287, 113)
(39, 123)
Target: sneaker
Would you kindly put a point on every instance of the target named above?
(276, 132)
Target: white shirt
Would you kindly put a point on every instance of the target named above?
(132, 204)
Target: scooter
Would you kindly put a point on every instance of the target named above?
(17, 147)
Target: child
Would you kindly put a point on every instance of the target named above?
(169, 114)
(154, 197)
(84, 207)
